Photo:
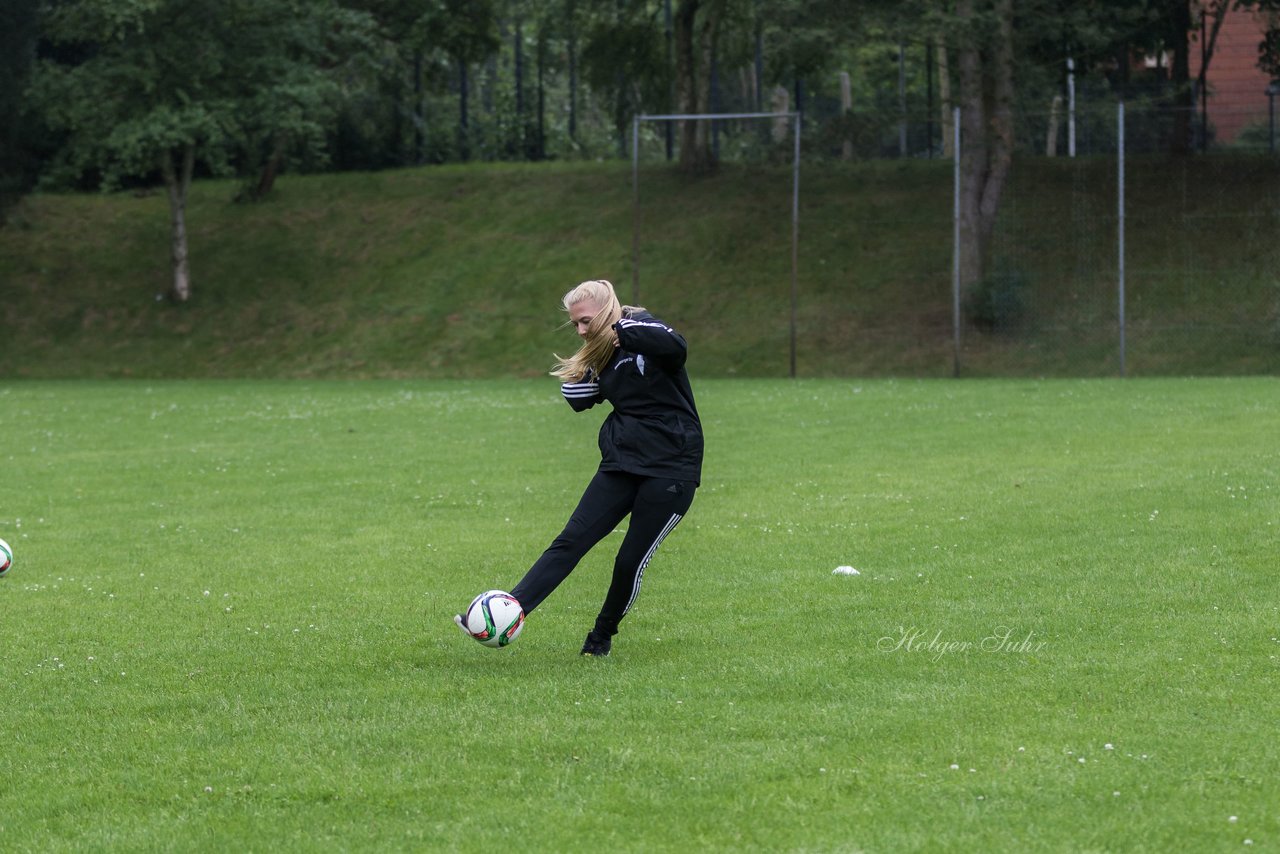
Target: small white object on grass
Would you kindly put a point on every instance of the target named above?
(845, 570)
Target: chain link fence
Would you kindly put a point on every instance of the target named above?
(1115, 250)
(1133, 259)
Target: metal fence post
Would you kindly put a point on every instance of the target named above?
(795, 238)
(1120, 225)
(955, 238)
(635, 210)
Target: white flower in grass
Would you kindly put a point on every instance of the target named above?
(1108, 746)
(955, 767)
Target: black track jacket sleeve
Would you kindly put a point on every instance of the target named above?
(582, 395)
(651, 337)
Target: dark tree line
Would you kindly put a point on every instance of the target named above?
(115, 93)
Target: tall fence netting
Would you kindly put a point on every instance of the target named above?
(1197, 206)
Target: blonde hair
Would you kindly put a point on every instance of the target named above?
(598, 345)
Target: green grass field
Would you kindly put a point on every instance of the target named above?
(227, 627)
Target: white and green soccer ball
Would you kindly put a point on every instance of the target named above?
(494, 618)
(6, 558)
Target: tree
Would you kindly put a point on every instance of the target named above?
(985, 39)
(159, 86)
(622, 60)
(466, 30)
(981, 37)
(696, 28)
(290, 88)
(1269, 53)
(17, 54)
(805, 36)
(1269, 47)
(1169, 25)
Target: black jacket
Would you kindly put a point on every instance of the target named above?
(654, 428)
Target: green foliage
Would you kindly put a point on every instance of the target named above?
(18, 140)
(1269, 54)
(997, 303)
(227, 627)
(624, 62)
(466, 30)
(804, 36)
(1257, 136)
(227, 77)
(376, 83)
(1266, 12)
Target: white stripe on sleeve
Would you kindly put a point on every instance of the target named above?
(627, 323)
(579, 391)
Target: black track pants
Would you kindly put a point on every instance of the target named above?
(655, 504)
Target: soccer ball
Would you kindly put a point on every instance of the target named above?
(6, 558)
(494, 618)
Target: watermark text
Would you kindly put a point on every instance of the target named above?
(935, 645)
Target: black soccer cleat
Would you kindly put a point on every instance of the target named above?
(597, 644)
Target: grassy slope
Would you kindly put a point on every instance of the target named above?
(455, 271)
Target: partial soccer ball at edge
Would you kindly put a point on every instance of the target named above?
(494, 618)
(6, 558)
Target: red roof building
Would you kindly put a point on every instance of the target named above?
(1236, 87)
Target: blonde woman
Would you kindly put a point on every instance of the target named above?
(650, 449)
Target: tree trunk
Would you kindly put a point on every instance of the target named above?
(1051, 138)
(464, 132)
(946, 105)
(419, 120)
(1180, 78)
(973, 150)
(696, 27)
(986, 132)
(519, 146)
(178, 181)
(999, 120)
(1215, 13)
(270, 169)
(573, 82)
(540, 144)
(846, 107)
